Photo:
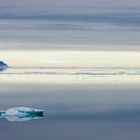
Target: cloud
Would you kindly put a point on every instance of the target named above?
(79, 3)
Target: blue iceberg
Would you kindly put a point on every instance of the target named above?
(21, 114)
(3, 66)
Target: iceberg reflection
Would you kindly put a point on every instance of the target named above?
(21, 114)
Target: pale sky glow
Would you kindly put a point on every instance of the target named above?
(40, 58)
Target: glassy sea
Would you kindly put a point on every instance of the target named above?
(79, 104)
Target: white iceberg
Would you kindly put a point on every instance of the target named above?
(3, 66)
(21, 114)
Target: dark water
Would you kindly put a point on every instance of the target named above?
(73, 112)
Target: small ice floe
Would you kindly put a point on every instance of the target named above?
(21, 114)
(3, 66)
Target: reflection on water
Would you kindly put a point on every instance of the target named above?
(22, 118)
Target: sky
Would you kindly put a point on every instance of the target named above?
(70, 25)
(97, 24)
(77, 59)
(97, 31)
(52, 26)
(79, 3)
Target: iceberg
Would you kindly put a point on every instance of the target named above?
(21, 114)
(3, 66)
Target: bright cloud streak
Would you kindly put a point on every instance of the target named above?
(70, 58)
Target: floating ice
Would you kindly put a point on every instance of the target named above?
(21, 114)
(3, 66)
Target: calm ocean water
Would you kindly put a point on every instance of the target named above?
(73, 112)
(78, 103)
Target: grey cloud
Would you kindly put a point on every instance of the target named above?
(55, 3)
(71, 26)
(116, 17)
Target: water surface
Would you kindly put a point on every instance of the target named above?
(73, 112)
